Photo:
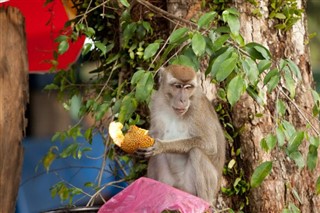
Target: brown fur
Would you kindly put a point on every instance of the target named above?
(189, 152)
(180, 72)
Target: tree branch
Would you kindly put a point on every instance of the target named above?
(165, 14)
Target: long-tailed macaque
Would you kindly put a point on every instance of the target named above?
(189, 152)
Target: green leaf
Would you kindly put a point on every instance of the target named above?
(198, 44)
(260, 173)
(257, 95)
(315, 95)
(206, 19)
(293, 208)
(178, 34)
(86, 48)
(192, 57)
(270, 74)
(318, 186)
(264, 65)
(289, 129)
(222, 94)
(51, 86)
(312, 157)
(294, 69)
(231, 163)
(137, 76)
(295, 141)
(257, 51)
(88, 134)
(280, 107)
(280, 135)
(280, 16)
(101, 111)
(264, 145)
(235, 89)
(238, 38)
(268, 143)
(315, 141)
(128, 32)
(89, 32)
(251, 70)
(215, 63)
(273, 83)
(144, 87)
(69, 150)
(125, 3)
(290, 84)
(48, 159)
(150, 50)
(226, 67)
(271, 141)
(298, 159)
(218, 42)
(183, 60)
(231, 17)
(63, 47)
(127, 108)
(101, 47)
(61, 38)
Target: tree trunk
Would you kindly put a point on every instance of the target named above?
(286, 184)
(13, 99)
(280, 188)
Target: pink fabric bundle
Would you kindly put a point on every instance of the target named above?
(146, 195)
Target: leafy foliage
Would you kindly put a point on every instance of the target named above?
(130, 50)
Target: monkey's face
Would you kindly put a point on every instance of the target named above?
(178, 83)
(181, 94)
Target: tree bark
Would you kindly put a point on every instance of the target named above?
(13, 99)
(278, 190)
(286, 184)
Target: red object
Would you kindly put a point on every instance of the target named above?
(150, 196)
(44, 23)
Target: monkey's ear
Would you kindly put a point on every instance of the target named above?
(161, 74)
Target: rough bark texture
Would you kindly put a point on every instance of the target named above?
(277, 191)
(13, 99)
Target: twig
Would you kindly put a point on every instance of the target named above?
(103, 164)
(165, 13)
(175, 54)
(162, 48)
(55, 170)
(101, 189)
(299, 110)
(120, 165)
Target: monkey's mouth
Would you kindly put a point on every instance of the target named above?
(179, 111)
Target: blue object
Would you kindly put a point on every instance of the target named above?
(34, 192)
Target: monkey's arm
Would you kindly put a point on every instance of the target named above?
(178, 146)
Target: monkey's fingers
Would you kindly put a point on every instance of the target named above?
(119, 151)
(145, 152)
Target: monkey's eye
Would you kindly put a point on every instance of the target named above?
(178, 86)
(188, 86)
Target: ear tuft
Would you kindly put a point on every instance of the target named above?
(161, 73)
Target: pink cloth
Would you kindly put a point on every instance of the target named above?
(146, 195)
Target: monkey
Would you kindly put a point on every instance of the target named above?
(189, 148)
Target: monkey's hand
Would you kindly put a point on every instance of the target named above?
(157, 148)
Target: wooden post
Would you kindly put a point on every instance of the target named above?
(13, 100)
